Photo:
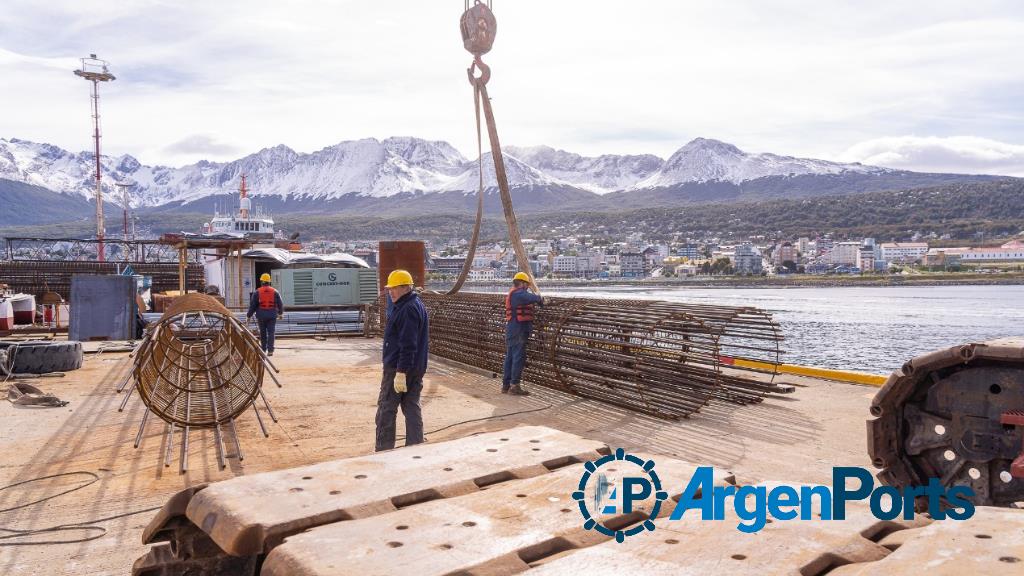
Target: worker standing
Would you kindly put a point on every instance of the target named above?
(266, 304)
(405, 353)
(519, 304)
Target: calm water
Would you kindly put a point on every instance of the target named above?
(871, 329)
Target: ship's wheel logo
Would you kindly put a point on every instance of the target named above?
(635, 481)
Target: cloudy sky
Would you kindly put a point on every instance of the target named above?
(925, 85)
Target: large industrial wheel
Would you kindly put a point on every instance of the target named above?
(44, 357)
(941, 416)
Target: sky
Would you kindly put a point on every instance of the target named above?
(922, 85)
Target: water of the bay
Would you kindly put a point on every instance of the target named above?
(869, 329)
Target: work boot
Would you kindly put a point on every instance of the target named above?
(504, 390)
(517, 390)
(271, 353)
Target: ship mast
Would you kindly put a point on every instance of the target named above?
(243, 201)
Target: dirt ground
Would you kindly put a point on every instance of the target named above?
(326, 411)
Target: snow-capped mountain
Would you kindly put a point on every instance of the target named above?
(358, 172)
(706, 160)
(601, 174)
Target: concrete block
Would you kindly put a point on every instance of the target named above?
(502, 530)
(990, 542)
(251, 514)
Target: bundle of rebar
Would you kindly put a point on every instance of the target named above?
(661, 358)
(39, 276)
(199, 367)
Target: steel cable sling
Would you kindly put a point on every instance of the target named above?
(479, 28)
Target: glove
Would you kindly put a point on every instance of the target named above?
(279, 316)
(543, 301)
(400, 386)
(248, 318)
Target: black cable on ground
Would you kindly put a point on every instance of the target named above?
(75, 526)
(482, 419)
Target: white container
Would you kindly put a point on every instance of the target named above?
(6, 315)
(24, 308)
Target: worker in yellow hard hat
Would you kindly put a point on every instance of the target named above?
(519, 304)
(406, 337)
(266, 304)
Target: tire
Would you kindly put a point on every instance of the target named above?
(44, 357)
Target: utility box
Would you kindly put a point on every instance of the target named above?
(326, 286)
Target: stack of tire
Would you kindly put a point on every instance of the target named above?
(41, 357)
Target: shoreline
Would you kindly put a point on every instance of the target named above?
(770, 282)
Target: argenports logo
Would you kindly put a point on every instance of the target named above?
(621, 491)
(753, 505)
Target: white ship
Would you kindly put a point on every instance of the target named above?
(250, 222)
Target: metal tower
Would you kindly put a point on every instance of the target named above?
(95, 70)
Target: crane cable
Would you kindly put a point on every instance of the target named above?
(478, 30)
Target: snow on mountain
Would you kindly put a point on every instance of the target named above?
(374, 168)
(518, 172)
(603, 174)
(707, 160)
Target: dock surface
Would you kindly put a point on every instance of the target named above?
(326, 411)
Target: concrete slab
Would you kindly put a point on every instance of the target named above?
(252, 514)
(990, 542)
(692, 546)
(501, 530)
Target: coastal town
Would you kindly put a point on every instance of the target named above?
(636, 257)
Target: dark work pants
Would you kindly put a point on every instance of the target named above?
(387, 410)
(515, 355)
(267, 326)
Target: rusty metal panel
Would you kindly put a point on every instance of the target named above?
(409, 255)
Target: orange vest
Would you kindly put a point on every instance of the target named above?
(523, 313)
(266, 294)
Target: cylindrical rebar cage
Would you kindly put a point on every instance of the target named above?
(200, 367)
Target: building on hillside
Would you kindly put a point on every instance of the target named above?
(564, 266)
(904, 252)
(482, 274)
(994, 255)
(449, 266)
(747, 260)
(784, 252)
(632, 265)
(866, 259)
(689, 251)
(844, 253)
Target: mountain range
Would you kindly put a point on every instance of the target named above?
(404, 175)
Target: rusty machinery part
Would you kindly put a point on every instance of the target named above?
(198, 367)
(479, 28)
(654, 357)
(954, 414)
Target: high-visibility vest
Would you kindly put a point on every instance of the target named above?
(266, 294)
(523, 313)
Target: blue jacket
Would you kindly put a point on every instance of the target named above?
(261, 314)
(521, 298)
(406, 335)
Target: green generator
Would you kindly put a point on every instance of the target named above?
(326, 286)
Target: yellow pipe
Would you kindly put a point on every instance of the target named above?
(824, 373)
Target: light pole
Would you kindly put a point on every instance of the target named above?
(95, 70)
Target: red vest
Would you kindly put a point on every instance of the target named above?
(523, 313)
(266, 294)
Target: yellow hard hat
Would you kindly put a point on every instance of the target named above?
(264, 277)
(399, 278)
(521, 276)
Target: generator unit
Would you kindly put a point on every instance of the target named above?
(326, 286)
